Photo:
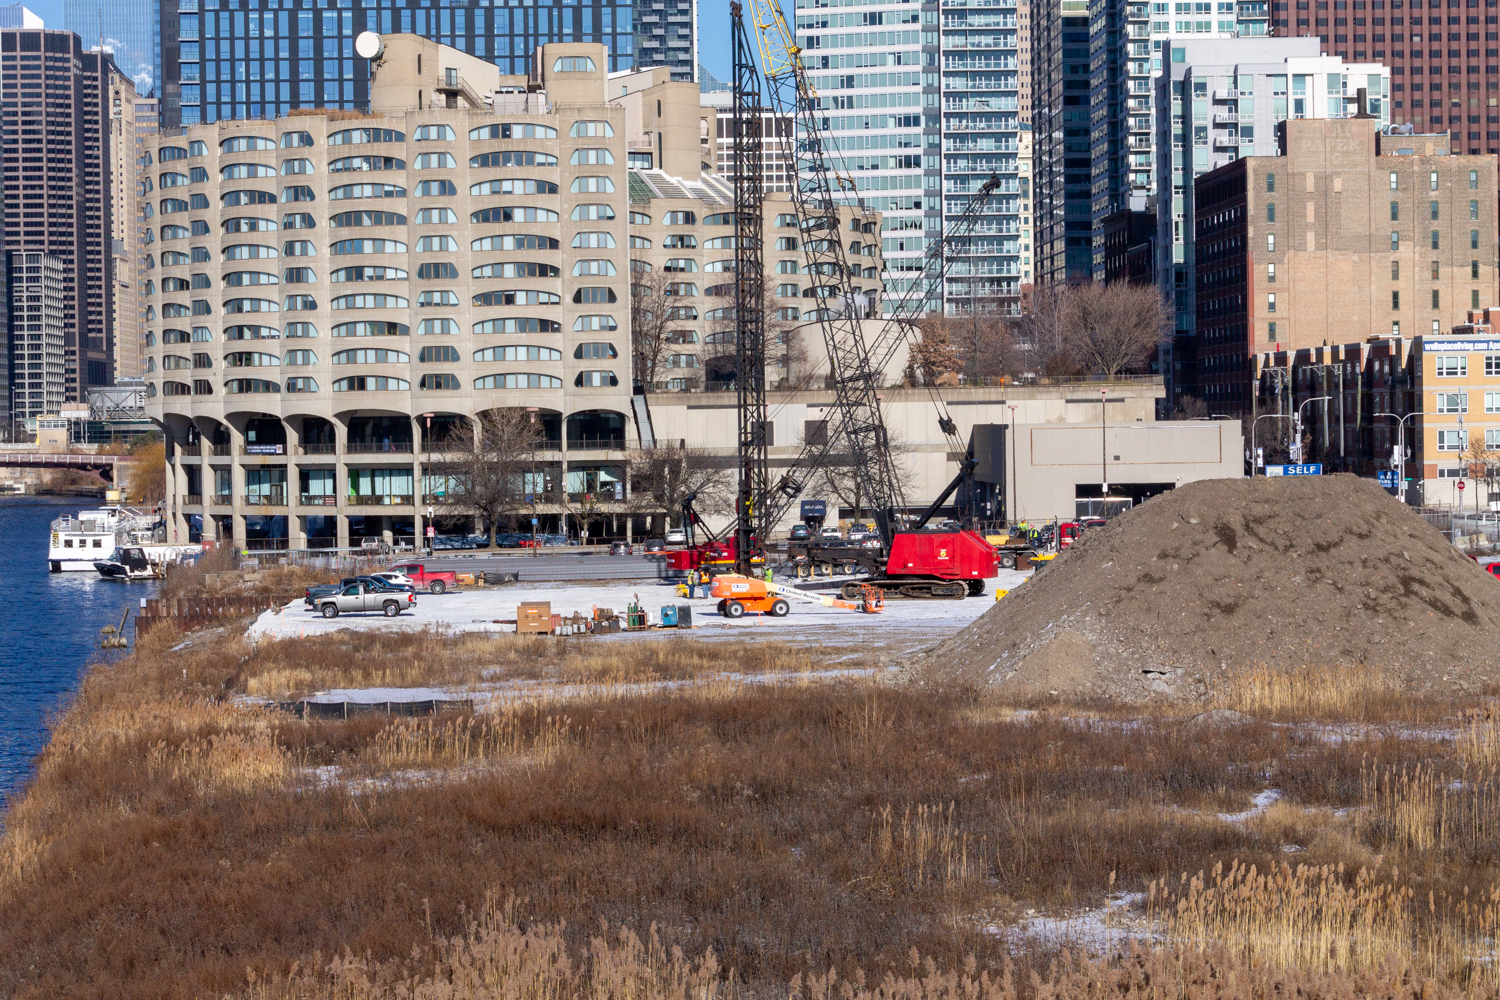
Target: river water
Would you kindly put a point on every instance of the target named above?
(51, 630)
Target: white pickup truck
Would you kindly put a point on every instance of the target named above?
(360, 597)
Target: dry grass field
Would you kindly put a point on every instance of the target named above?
(792, 837)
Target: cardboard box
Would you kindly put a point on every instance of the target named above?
(534, 617)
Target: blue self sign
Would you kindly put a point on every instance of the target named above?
(1313, 469)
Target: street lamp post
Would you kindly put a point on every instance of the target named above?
(1103, 443)
(1298, 423)
(1015, 443)
(1400, 462)
(1254, 454)
(427, 529)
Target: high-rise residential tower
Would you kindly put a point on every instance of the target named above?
(876, 72)
(924, 105)
(981, 90)
(125, 231)
(224, 59)
(55, 103)
(666, 34)
(34, 289)
(1060, 151)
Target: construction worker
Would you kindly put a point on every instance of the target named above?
(692, 583)
(769, 573)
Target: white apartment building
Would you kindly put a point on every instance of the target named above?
(329, 295)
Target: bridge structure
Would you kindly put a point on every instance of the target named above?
(103, 466)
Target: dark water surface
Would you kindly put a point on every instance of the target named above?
(49, 628)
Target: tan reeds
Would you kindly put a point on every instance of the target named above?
(1310, 692)
(1307, 918)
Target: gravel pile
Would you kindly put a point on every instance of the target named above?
(1224, 575)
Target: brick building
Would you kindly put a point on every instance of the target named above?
(1349, 234)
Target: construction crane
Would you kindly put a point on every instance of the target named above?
(929, 566)
(860, 427)
(749, 299)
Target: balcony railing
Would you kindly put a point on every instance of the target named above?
(318, 500)
(393, 500)
(221, 500)
(263, 449)
(596, 444)
(193, 450)
(275, 498)
(192, 499)
(223, 450)
(379, 447)
(319, 448)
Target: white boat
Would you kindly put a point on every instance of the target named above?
(78, 542)
(142, 562)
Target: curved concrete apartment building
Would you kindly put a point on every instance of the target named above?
(326, 295)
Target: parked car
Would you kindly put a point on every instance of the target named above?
(656, 545)
(433, 581)
(361, 596)
(830, 534)
(859, 532)
(676, 536)
(619, 548)
(399, 579)
(374, 582)
(801, 533)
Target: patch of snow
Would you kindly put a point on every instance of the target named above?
(1097, 931)
(1261, 802)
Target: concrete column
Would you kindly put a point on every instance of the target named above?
(237, 482)
(341, 481)
(296, 534)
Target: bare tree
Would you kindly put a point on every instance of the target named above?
(1481, 463)
(1111, 329)
(661, 477)
(651, 324)
(1040, 334)
(488, 465)
(934, 359)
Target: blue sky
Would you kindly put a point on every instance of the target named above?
(713, 29)
(714, 52)
(50, 11)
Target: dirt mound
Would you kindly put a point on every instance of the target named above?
(1225, 575)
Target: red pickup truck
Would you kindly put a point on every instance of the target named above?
(434, 581)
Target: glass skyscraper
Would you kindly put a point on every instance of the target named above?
(127, 30)
(260, 58)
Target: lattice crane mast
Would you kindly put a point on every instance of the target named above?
(859, 428)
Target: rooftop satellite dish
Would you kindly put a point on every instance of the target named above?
(369, 45)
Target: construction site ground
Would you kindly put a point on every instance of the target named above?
(904, 627)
